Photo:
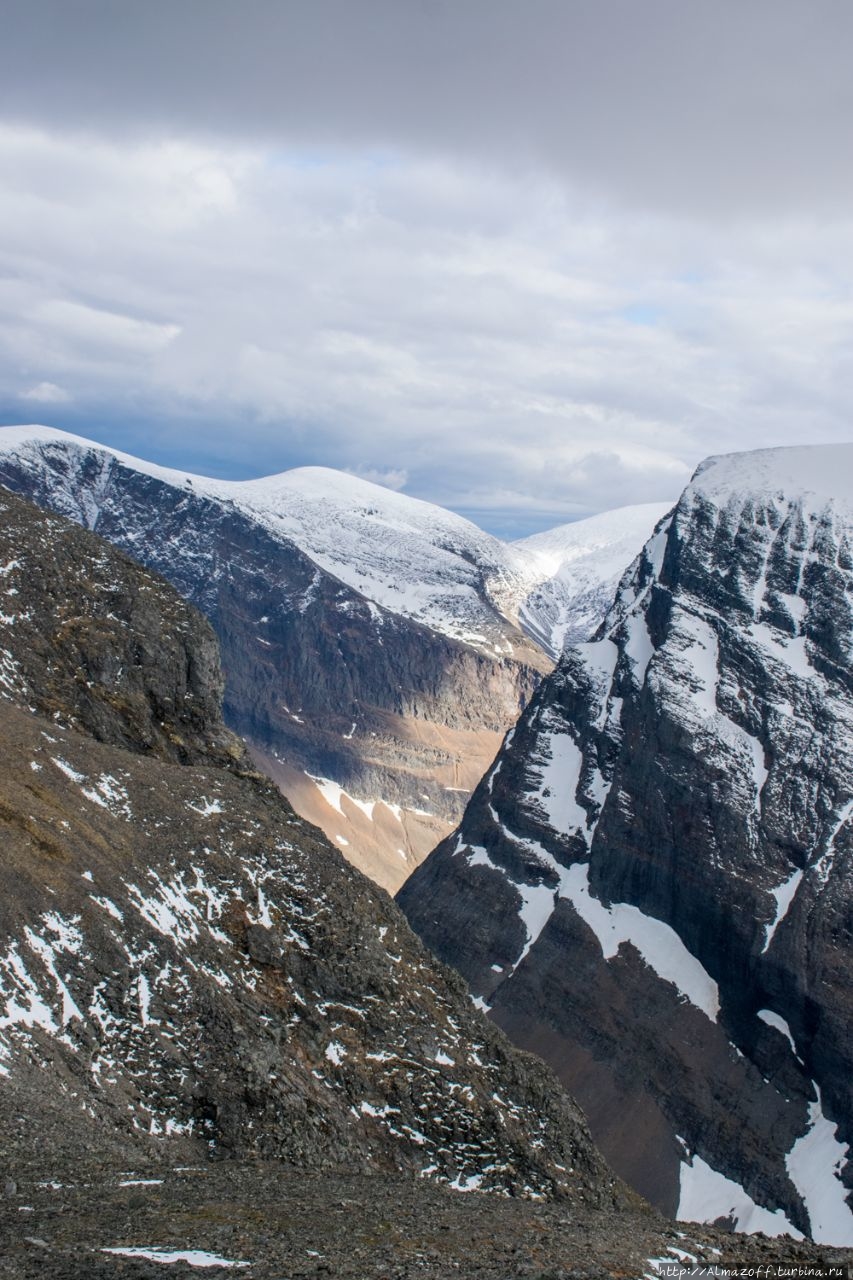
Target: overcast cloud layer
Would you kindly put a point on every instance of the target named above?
(527, 260)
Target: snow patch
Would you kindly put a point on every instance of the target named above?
(706, 1195)
(378, 1113)
(473, 1182)
(776, 1020)
(264, 917)
(335, 1052)
(65, 767)
(144, 996)
(814, 1164)
(784, 895)
(823, 866)
(206, 807)
(560, 774)
(111, 794)
(333, 793)
(192, 1257)
(789, 650)
(638, 645)
(658, 944)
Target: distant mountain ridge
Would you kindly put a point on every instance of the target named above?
(583, 563)
(652, 887)
(369, 639)
(407, 556)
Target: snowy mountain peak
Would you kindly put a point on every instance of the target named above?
(404, 555)
(820, 471)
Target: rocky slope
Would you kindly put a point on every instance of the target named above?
(188, 970)
(367, 662)
(652, 886)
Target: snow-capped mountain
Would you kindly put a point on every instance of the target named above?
(369, 640)
(652, 886)
(375, 722)
(187, 969)
(409, 557)
(574, 570)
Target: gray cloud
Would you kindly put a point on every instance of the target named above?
(720, 108)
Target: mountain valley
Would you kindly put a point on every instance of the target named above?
(649, 887)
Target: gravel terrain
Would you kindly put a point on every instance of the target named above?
(292, 1225)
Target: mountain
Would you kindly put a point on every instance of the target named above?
(185, 966)
(652, 885)
(575, 570)
(365, 661)
(371, 642)
(220, 1045)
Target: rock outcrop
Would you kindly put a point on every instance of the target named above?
(652, 886)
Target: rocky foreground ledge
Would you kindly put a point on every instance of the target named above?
(284, 1223)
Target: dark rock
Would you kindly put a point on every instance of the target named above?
(671, 818)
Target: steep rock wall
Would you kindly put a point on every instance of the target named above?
(653, 885)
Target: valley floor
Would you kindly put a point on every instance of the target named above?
(290, 1224)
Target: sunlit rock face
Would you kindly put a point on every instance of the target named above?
(652, 886)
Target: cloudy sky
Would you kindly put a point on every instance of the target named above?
(526, 258)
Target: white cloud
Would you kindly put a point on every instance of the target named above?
(46, 393)
(389, 479)
(496, 344)
(102, 330)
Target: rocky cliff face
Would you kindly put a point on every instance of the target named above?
(375, 706)
(185, 966)
(652, 886)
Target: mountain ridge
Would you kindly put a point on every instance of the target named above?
(311, 503)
